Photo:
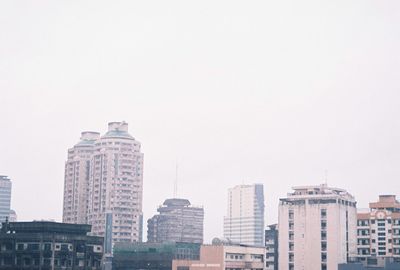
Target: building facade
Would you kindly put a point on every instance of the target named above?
(177, 221)
(5, 197)
(271, 247)
(317, 228)
(77, 178)
(244, 221)
(104, 185)
(378, 229)
(42, 245)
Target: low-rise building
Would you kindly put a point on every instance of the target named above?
(152, 256)
(372, 263)
(44, 245)
(187, 256)
(225, 257)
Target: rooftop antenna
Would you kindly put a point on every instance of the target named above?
(326, 177)
(176, 180)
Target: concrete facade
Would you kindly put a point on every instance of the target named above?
(177, 221)
(317, 228)
(5, 197)
(378, 229)
(244, 220)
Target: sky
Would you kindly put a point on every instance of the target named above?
(235, 92)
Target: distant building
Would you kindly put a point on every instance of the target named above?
(378, 230)
(5, 197)
(185, 256)
(177, 221)
(244, 220)
(49, 246)
(104, 185)
(152, 256)
(271, 247)
(13, 216)
(317, 228)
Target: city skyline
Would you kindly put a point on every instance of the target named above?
(263, 92)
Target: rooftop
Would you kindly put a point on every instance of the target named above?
(45, 227)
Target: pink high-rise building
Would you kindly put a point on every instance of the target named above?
(104, 184)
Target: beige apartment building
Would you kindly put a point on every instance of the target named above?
(76, 179)
(225, 257)
(104, 184)
(317, 228)
(378, 229)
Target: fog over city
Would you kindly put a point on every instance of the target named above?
(282, 93)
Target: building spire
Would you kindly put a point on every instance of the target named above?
(176, 180)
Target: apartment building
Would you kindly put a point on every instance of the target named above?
(317, 228)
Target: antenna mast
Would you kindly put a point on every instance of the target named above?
(176, 180)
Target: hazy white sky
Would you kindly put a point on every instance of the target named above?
(274, 92)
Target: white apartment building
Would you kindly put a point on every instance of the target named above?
(116, 186)
(104, 184)
(244, 221)
(378, 229)
(317, 228)
(77, 177)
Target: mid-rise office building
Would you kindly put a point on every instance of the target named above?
(77, 178)
(317, 228)
(104, 185)
(5, 198)
(271, 247)
(43, 245)
(244, 220)
(378, 229)
(177, 221)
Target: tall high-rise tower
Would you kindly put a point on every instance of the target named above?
(104, 184)
(5, 198)
(244, 221)
(77, 177)
(116, 186)
(317, 228)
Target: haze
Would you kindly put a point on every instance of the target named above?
(272, 92)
